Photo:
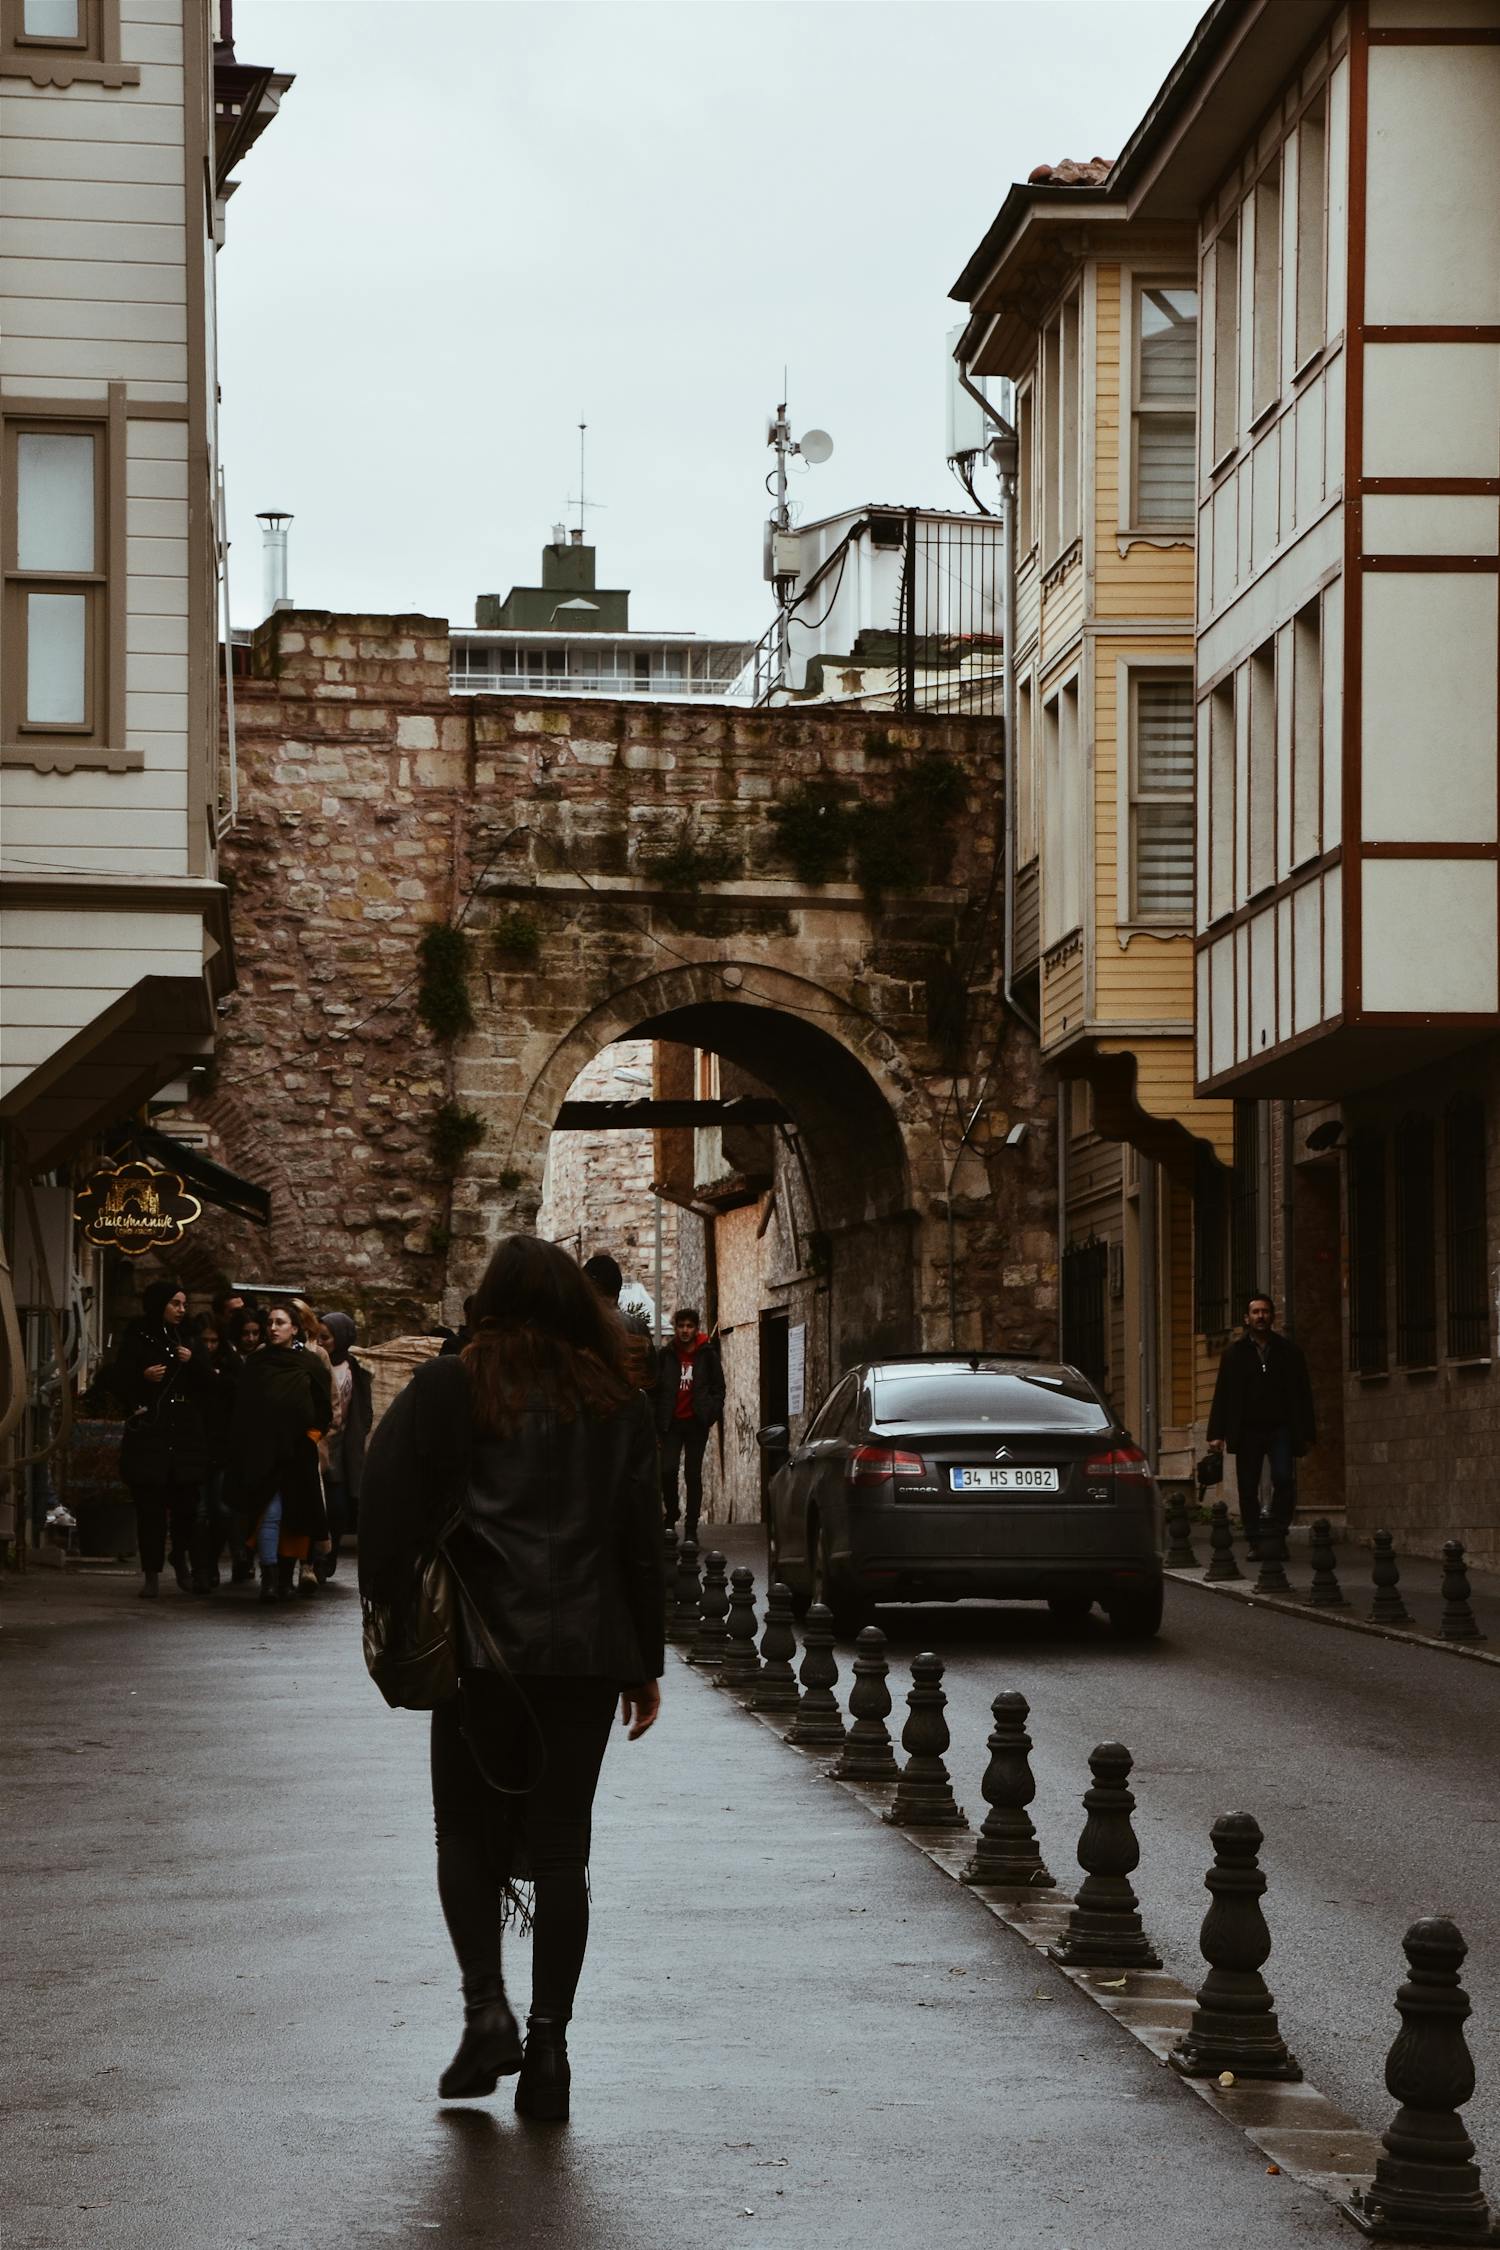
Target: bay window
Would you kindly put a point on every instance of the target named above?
(1166, 379)
(1161, 797)
(55, 541)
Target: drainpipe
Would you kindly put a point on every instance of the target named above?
(1004, 451)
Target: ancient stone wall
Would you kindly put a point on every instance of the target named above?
(620, 871)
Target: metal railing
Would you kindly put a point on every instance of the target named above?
(589, 683)
(950, 641)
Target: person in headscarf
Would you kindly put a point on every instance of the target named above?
(282, 1408)
(163, 1451)
(343, 1449)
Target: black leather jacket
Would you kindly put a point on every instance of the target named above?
(559, 1542)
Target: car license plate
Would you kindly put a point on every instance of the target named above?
(1003, 1480)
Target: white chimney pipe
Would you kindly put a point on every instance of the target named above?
(273, 523)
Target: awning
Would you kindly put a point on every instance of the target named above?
(224, 1189)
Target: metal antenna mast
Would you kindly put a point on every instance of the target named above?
(577, 499)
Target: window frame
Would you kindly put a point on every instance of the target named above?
(100, 741)
(1061, 355)
(1057, 798)
(1132, 673)
(1133, 285)
(1414, 1166)
(1366, 1233)
(91, 59)
(1222, 258)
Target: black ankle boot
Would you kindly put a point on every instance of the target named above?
(542, 2088)
(489, 2050)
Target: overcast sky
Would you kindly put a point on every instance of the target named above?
(477, 222)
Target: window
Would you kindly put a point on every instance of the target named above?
(1025, 774)
(1312, 228)
(1060, 379)
(1266, 333)
(56, 549)
(1221, 800)
(1307, 733)
(1260, 869)
(1467, 1234)
(1368, 1341)
(1166, 380)
(1210, 1244)
(1062, 818)
(64, 42)
(1226, 371)
(1416, 1244)
(1025, 471)
(1161, 796)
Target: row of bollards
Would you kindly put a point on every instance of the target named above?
(1427, 2186)
(1269, 1553)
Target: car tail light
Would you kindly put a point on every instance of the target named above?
(878, 1464)
(1127, 1464)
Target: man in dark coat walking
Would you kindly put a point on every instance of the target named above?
(689, 1401)
(1263, 1411)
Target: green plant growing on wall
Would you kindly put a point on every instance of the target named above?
(439, 1241)
(511, 1180)
(451, 1135)
(694, 859)
(443, 981)
(517, 936)
(907, 841)
(813, 830)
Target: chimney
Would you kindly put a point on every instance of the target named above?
(559, 535)
(273, 523)
(576, 536)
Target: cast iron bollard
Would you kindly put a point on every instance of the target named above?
(1270, 1552)
(739, 1666)
(1104, 1929)
(669, 1562)
(1427, 2186)
(924, 1793)
(1459, 1622)
(1221, 1562)
(682, 1618)
(775, 1688)
(867, 1754)
(819, 1723)
(1006, 1849)
(1326, 1592)
(1234, 2024)
(1180, 1554)
(711, 1638)
(1387, 1608)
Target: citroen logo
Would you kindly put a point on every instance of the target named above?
(1003, 1453)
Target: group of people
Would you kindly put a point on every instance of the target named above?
(684, 1381)
(244, 1439)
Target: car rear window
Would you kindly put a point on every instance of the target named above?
(982, 1397)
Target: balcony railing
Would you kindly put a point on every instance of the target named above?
(589, 683)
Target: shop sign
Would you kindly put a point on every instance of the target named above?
(135, 1207)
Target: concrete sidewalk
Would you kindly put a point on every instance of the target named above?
(231, 1990)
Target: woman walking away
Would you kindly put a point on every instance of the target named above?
(163, 1453)
(343, 1449)
(282, 1407)
(533, 1439)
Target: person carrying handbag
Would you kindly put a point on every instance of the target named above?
(529, 1461)
(164, 1448)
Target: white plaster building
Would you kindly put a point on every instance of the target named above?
(120, 121)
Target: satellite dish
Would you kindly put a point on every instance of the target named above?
(816, 446)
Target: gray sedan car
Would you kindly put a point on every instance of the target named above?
(931, 1479)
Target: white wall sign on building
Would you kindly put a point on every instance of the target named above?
(796, 1368)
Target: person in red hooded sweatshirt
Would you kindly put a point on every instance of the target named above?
(689, 1401)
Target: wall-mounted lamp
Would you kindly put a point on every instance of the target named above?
(1325, 1136)
(1017, 1134)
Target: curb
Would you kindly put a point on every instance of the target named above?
(1246, 1593)
(1297, 2129)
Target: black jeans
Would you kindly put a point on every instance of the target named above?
(157, 1506)
(1256, 1447)
(688, 1442)
(486, 1839)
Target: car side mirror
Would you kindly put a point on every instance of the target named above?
(774, 1438)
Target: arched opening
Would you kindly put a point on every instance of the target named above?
(765, 1178)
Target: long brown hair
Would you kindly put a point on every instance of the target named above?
(542, 1337)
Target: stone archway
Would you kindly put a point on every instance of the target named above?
(867, 1135)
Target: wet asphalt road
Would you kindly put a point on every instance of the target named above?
(229, 1991)
(1373, 1768)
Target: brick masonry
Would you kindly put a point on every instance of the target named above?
(374, 802)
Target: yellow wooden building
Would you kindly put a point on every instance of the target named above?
(1094, 319)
